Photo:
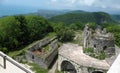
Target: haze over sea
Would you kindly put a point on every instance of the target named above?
(6, 10)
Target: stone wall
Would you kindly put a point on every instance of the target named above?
(31, 57)
(103, 45)
(43, 61)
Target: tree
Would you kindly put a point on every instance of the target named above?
(23, 33)
(9, 31)
(38, 27)
(64, 34)
(77, 26)
(18, 31)
(92, 25)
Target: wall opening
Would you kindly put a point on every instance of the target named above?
(94, 46)
(97, 72)
(105, 47)
(32, 56)
(66, 66)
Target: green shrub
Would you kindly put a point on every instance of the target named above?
(101, 55)
(5, 50)
(90, 51)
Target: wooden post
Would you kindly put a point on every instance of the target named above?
(4, 61)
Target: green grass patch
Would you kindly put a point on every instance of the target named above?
(51, 35)
(90, 51)
(16, 53)
(46, 48)
(37, 68)
(101, 55)
(58, 71)
(75, 41)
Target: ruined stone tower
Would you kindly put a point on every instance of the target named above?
(99, 40)
(86, 36)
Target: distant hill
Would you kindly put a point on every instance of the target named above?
(50, 13)
(78, 11)
(116, 17)
(84, 17)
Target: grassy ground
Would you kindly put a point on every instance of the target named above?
(58, 71)
(37, 68)
(16, 53)
(51, 35)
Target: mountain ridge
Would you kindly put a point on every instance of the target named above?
(84, 17)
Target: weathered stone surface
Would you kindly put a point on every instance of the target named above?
(74, 54)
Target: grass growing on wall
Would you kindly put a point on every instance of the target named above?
(90, 51)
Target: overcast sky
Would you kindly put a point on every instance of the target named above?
(88, 5)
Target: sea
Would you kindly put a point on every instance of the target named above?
(7, 10)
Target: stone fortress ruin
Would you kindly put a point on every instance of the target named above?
(71, 58)
(43, 52)
(99, 40)
(78, 61)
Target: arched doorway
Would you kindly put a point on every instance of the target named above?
(68, 67)
(97, 72)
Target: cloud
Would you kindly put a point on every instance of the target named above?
(67, 4)
(72, 4)
(107, 4)
(61, 4)
(86, 2)
(53, 0)
(75, 2)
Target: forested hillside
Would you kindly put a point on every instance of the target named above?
(83, 17)
(18, 31)
(116, 17)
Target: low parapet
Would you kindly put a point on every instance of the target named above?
(8, 65)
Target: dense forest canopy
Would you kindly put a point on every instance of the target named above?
(17, 31)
